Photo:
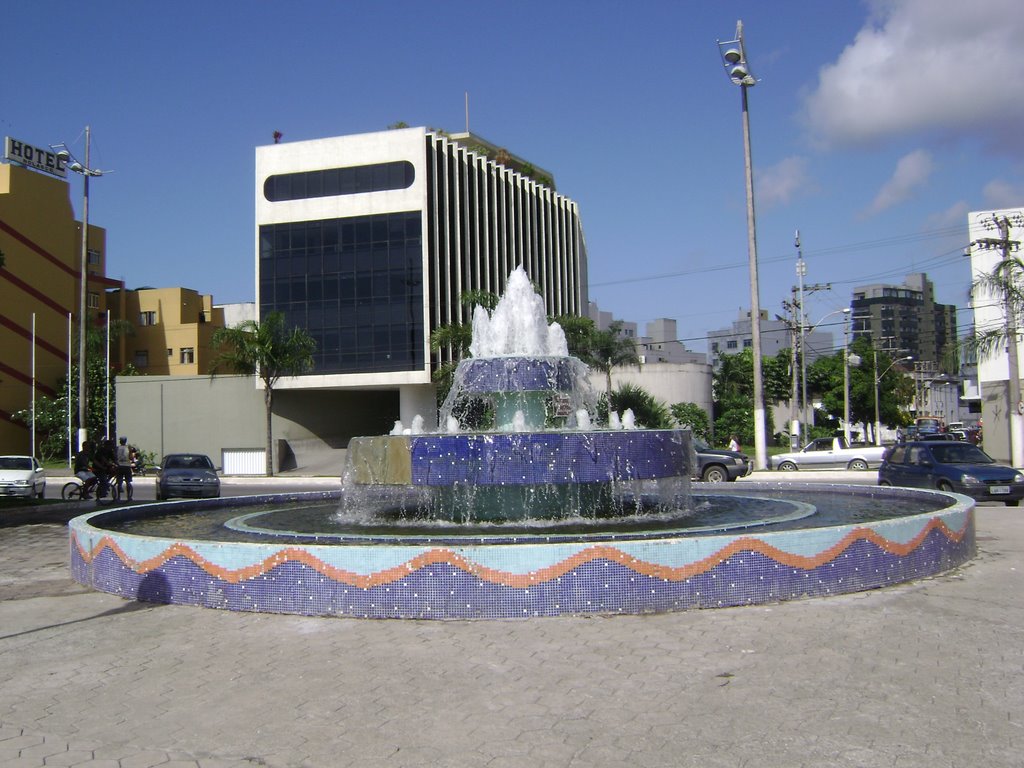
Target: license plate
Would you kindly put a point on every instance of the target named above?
(995, 490)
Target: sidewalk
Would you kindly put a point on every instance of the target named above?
(929, 674)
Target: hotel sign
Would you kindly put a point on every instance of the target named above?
(31, 156)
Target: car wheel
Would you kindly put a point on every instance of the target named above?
(858, 465)
(1014, 503)
(787, 466)
(42, 493)
(885, 483)
(944, 485)
(159, 496)
(714, 474)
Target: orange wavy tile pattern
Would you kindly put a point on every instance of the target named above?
(517, 580)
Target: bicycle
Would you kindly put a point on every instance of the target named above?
(76, 490)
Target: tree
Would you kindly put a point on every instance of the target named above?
(579, 333)
(691, 416)
(609, 349)
(649, 412)
(895, 390)
(269, 350)
(457, 337)
(733, 395)
(52, 412)
(1004, 285)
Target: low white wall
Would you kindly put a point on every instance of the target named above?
(668, 382)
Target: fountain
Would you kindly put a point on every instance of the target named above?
(538, 513)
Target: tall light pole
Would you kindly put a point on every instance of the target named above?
(65, 156)
(734, 59)
(801, 271)
(878, 381)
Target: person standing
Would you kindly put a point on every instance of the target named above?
(734, 444)
(124, 467)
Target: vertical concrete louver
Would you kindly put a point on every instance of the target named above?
(482, 220)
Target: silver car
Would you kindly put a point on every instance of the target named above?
(21, 476)
(187, 474)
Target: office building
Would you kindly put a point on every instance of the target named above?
(988, 248)
(905, 320)
(776, 335)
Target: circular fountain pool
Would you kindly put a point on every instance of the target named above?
(542, 513)
(739, 545)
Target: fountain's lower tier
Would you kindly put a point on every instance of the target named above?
(514, 476)
(857, 538)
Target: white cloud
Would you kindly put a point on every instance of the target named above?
(780, 183)
(947, 67)
(954, 216)
(1002, 194)
(912, 171)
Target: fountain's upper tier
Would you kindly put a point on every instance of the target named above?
(518, 326)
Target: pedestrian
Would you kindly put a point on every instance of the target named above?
(124, 467)
(734, 444)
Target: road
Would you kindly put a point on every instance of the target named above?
(145, 487)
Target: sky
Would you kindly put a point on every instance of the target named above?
(875, 126)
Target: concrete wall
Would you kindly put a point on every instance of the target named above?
(996, 420)
(165, 414)
(669, 382)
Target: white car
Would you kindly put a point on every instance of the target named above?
(21, 476)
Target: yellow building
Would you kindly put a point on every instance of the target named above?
(41, 245)
(171, 330)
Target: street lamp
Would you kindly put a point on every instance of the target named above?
(734, 59)
(64, 155)
(878, 380)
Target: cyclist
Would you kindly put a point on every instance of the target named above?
(83, 468)
(104, 464)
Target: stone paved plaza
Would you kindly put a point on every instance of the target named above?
(926, 674)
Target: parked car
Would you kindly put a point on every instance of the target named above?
(715, 466)
(952, 465)
(828, 453)
(21, 476)
(187, 474)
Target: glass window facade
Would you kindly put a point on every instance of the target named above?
(331, 182)
(355, 284)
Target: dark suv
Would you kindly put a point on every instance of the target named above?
(715, 466)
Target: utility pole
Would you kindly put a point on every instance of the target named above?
(794, 422)
(798, 299)
(1005, 245)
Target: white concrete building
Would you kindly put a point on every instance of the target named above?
(990, 313)
(369, 241)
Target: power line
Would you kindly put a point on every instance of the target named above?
(839, 249)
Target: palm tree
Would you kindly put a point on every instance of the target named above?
(456, 338)
(269, 350)
(1004, 283)
(609, 349)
